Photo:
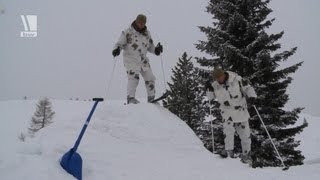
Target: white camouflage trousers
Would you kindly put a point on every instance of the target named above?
(133, 81)
(243, 130)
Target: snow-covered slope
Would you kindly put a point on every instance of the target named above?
(132, 142)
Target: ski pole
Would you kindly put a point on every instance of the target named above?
(284, 167)
(164, 77)
(111, 77)
(212, 137)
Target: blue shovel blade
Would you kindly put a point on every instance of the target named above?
(72, 163)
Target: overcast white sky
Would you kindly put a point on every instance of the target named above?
(71, 57)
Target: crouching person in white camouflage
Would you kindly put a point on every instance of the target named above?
(135, 42)
(231, 91)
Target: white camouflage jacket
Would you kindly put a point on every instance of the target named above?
(135, 46)
(232, 97)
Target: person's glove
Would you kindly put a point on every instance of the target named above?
(116, 52)
(158, 50)
(208, 86)
(251, 101)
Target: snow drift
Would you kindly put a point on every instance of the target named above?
(136, 142)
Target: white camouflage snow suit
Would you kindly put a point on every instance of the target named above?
(233, 105)
(135, 46)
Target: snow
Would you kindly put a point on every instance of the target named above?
(136, 142)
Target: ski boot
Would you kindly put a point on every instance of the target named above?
(227, 153)
(132, 100)
(150, 99)
(246, 158)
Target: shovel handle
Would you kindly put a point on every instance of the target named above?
(97, 99)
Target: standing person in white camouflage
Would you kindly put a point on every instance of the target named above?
(135, 42)
(231, 91)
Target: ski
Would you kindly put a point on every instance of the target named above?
(165, 95)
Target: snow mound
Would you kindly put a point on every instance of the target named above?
(122, 142)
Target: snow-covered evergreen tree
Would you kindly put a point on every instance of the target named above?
(42, 117)
(185, 96)
(238, 41)
(22, 137)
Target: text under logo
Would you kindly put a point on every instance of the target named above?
(30, 26)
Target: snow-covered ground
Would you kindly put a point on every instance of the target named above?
(132, 142)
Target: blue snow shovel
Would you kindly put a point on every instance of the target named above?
(71, 161)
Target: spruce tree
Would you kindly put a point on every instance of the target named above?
(185, 97)
(42, 117)
(238, 41)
